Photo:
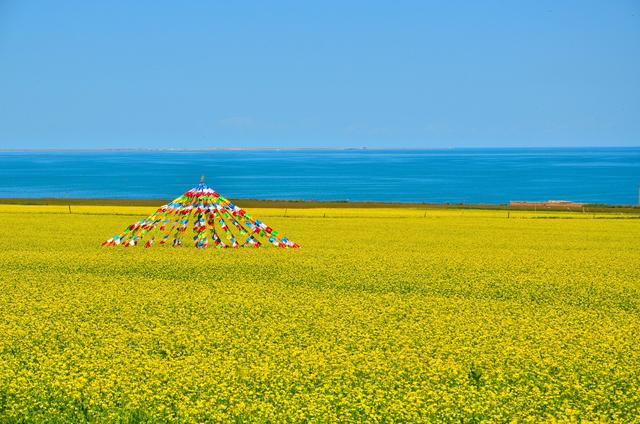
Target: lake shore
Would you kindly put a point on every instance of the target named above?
(311, 204)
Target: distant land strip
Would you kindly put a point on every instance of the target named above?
(207, 149)
(351, 148)
(307, 204)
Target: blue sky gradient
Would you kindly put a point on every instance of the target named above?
(412, 74)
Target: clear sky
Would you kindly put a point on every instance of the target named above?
(426, 74)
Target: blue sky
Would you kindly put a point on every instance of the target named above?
(425, 74)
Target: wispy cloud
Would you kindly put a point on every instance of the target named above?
(236, 122)
(367, 130)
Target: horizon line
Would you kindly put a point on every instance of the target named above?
(364, 148)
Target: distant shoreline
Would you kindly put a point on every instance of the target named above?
(213, 149)
(336, 149)
(311, 204)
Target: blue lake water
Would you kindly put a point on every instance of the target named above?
(596, 175)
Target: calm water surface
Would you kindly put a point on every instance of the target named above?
(597, 175)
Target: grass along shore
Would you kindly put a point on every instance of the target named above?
(319, 204)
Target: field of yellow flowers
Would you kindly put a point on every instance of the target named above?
(382, 314)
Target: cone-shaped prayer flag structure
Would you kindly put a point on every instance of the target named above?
(203, 217)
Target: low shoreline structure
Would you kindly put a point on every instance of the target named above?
(548, 203)
(310, 204)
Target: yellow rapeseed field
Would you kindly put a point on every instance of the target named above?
(382, 315)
